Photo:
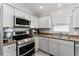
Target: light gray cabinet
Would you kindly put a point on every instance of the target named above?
(61, 47)
(19, 13)
(34, 22)
(9, 50)
(27, 16)
(8, 13)
(22, 14)
(54, 47)
(44, 22)
(36, 43)
(76, 18)
(43, 43)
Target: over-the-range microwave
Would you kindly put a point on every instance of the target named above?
(21, 22)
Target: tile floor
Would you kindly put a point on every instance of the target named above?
(40, 53)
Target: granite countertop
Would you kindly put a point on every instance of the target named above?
(9, 43)
(74, 38)
(69, 37)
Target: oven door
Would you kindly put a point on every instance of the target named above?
(27, 50)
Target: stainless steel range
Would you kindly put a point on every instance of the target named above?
(25, 45)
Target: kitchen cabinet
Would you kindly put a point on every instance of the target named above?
(34, 22)
(54, 47)
(76, 17)
(45, 22)
(27, 16)
(36, 43)
(22, 14)
(43, 43)
(66, 48)
(61, 47)
(19, 13)
(8, 16)
(9, 50)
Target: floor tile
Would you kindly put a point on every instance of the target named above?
(40, 53)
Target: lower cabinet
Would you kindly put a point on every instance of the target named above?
(9, 50)
(43, 43)
(36, 43)
(57, 47)
(61, 47)
(54, 47)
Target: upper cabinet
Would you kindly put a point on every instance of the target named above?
(76, 17)
(19, 13)
(44, 22)
(8, 13)
(34, 22)
(27, 16)
(22, 14)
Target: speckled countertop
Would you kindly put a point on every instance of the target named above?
(68, 37)
(9, 43)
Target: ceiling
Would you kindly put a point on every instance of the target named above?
(46, 7)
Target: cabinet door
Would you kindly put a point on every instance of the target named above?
(67, 48)
(36, 43)
(19, 13)
(44, 22)
(34, 22)
(76, 17)
(9, 50)
(27, 16)
(54, 47)
(6, 51)
(13, 50)
(8, 13)
(43, 44)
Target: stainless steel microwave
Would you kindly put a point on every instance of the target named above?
(21, 22)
